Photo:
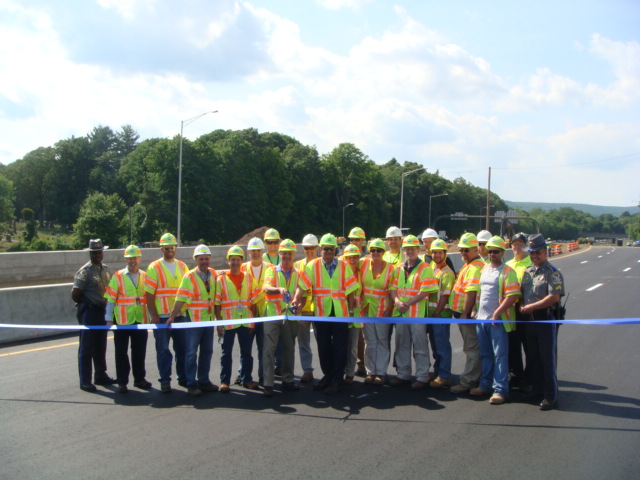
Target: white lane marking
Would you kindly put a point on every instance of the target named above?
(599, 256)
(608, 253)
(585, 261)
(594, 287)
(626, 269)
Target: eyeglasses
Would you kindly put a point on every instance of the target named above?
(376, 250)
(328, 249)
(464, 250)
(271, 242)
(494, 252)
(310, 248)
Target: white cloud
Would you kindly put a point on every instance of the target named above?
(340, 4)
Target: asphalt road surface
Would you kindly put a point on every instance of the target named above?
(51, 429)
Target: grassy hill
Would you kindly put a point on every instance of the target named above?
(593, 210)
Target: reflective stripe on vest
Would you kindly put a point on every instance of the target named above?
(234, 304)
(130, 301)
(372, 295)
(202, 300)
(165, 294)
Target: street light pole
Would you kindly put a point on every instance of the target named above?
(343, 209)
(183, 123)
(131, 222)
(404, 174)
(434, 196)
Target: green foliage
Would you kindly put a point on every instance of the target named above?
(27, 214)
(7, 196)
(102, 216)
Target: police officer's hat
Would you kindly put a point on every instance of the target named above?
(95, 245)
(537, 242)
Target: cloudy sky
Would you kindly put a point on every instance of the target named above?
(545, 93)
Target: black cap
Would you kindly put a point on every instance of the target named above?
(537, 242)
(519, 236)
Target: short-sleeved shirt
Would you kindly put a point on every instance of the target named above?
(537, 283)
(92, 280)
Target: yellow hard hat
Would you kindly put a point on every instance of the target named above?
(272, 234)
(235, 250)
(377, 243)
(132, 251)
(497, 242)
(357, 233)
(328, 240)
(351, 250)
(201, 250)
(410, 241)
(287, 245)
(439, 244)
(167, 239)
(468, 240)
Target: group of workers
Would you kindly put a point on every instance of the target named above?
(356, 300)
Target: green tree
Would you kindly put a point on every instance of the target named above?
(7, 197)
(30, 232)
(102, 216)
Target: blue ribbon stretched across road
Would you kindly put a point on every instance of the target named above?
(244, 321)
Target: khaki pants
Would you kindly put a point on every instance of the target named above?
(287, 332)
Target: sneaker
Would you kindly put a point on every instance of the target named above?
(497, 399)
(194, 391)
(458, 389)
(224, 388)
(142, 384)
(418, 385)
(165, 387)
(208, 387)
(306, 377)
(251, 385)
(440, 382)
(122, 388)
(478, 392)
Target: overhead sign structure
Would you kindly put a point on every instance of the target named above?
(458, 216)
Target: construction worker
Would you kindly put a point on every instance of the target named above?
(236, 299)
(542, 288)
(351, 255)
(280, 287)
(272, 240)
(310, 247)
(331, 284)
(358, 238)
(499, 291)
(463, 306)
(256, 268)
(161, 286)
(375, 278)
(89, 285)
(197, 291)
(439, 308)
(127, 305)
(412, 283)
(483, 237)
(393, 255)
(517, 338)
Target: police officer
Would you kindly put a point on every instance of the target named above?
(542, 287)
(88, 292)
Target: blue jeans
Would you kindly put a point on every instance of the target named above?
(441, 332)
(163, 352)
(246, 359)
(494, 356)
(198, 365)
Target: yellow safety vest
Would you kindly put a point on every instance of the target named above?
(130, 301)
(194, 293)
(236, 305)
(163, 285)
(328, 291)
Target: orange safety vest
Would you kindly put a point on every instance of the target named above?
(468, 281)
(328, 291)
(442, 274)
(233, 304)
(421, 279)
(375, 292)
(248, 270)
(165, 286)
(130, 301)
(507, 286)
(194, 293)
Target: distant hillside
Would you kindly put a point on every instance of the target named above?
(593, 210)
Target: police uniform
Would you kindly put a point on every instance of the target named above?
(537, 283)
(92, 281)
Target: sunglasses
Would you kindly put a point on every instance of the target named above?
(495, 252)
(310, 248)
(328, 249)
(376, 250)
(482, 244)
(271, 242)
(465, 250)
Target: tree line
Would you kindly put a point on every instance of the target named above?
(105, 183)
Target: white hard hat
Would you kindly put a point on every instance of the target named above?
(429, 233)
(201, 250)
(310, 240)
(394, 232)
(484, 236)
(255, 244)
